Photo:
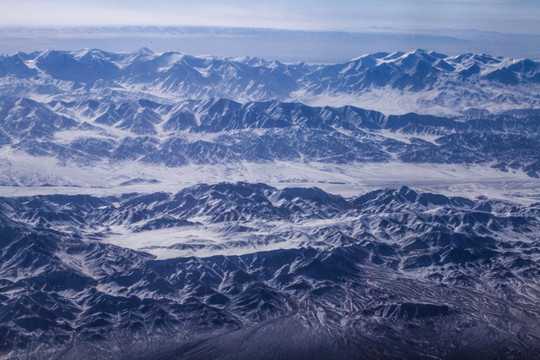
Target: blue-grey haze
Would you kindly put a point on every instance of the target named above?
(284, 45)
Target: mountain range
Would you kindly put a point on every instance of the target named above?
(417, 81)
(218, 131)
(168, 206)
(231, 270)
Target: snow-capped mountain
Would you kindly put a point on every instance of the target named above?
(299, 264)
(419, 81)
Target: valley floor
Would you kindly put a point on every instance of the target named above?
(27, 176)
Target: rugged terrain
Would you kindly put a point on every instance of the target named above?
(232, 270)
(418, 81)
(165, 206)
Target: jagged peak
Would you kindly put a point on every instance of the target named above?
(143, 51)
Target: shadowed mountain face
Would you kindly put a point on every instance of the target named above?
(398, 272)
(417, 81)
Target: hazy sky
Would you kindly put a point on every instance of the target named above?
(511, 16)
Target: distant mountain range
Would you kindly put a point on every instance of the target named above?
(420, 81)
